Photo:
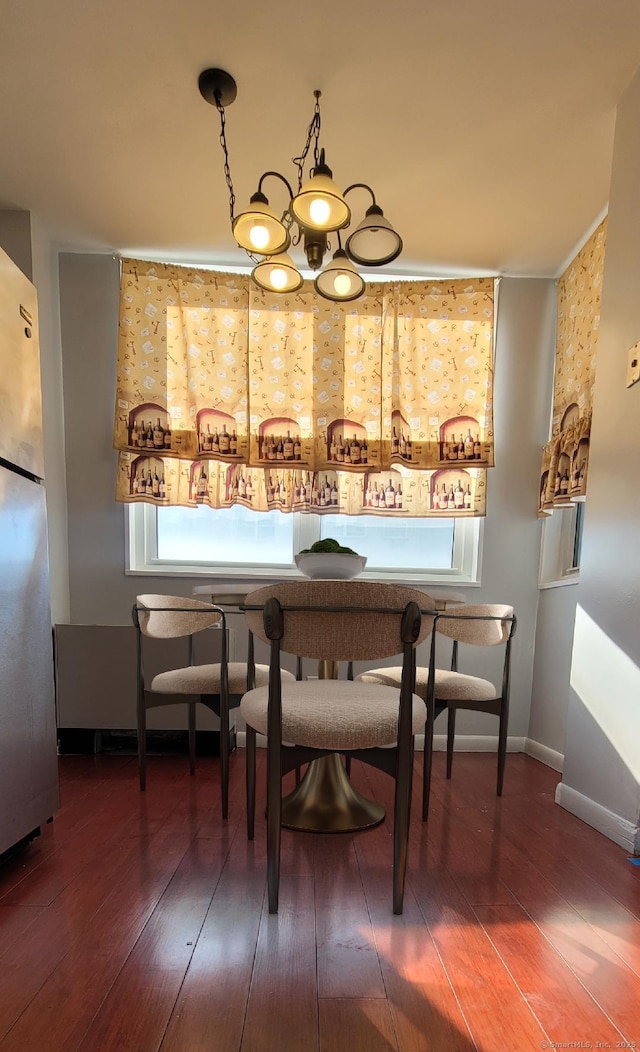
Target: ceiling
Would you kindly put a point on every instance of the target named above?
(486, 130)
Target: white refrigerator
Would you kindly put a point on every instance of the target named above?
(28, 739)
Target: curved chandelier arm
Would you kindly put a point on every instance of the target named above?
(278, 176)
(362, 186)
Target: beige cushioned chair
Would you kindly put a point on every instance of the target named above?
(335, 621)
(218, 686)
(483, 625)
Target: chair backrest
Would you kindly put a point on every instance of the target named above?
(340, 620)
(483, 625)
(171, 616)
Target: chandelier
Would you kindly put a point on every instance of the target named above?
(315, 209)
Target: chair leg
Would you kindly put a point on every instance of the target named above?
(502, 747)
(251, 781)
(142, 745)
(224, 757)
(402, 811)
(451, 733)
(274, 816)
(192, 737)
(428, 763)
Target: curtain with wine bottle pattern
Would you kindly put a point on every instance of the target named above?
(565, 458)
(228, 394)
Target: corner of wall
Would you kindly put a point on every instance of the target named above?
(622, 832)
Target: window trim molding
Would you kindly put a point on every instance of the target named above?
(141, 554)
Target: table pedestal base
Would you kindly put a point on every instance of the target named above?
(326, 802)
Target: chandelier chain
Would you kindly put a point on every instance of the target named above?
(227, 169)
(313, 132)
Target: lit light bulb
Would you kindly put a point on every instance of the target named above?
(319, 211)
(278, 278)
(342, 284)
(259, 236)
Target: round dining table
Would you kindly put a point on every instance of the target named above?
(325, 801)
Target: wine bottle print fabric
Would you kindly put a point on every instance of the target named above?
(226, 393)
(565, 458)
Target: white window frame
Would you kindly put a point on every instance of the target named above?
(142, 556)
(557, 551)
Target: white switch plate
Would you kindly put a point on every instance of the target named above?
(633, 365)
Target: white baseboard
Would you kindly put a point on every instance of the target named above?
(463, 742)
(548, 756)
(613, 826)
(471, 743)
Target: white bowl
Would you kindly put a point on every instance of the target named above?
(330, 565)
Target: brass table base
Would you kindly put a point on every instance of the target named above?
(326, 802)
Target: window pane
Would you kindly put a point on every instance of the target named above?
(235, 541)
(392, 544)
(230, 535)
(577, 540)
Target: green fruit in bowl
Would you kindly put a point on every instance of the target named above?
(327, 545)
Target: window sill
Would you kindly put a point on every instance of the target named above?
(239, 577)
(564, 582)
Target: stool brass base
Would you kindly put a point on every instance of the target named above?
(326, 802)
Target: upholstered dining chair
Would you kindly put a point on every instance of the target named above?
(218, 686)
(480, 625)
(340, 621)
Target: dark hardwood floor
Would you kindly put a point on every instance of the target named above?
(138, 922)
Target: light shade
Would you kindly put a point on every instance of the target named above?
(319, 204)
(277, 274)
(374, 242)
(258, 228)
(340, 280)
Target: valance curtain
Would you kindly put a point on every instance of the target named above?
(565, 458)
(228, 394)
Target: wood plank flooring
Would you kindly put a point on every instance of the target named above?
(139, 922)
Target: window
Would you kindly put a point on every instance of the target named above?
(561, 547)
(577, 537)
(239, 542)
